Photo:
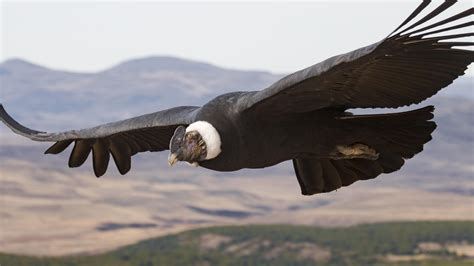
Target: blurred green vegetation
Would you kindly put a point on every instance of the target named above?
(357, 245)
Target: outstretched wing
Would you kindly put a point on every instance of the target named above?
(413, 63)
(122, 139)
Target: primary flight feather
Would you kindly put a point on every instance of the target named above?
(301, 117)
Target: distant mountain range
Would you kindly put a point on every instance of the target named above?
(131, 88)
(50, 100)
(45, 97)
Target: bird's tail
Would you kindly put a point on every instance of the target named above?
(392, 138)
(396, 134)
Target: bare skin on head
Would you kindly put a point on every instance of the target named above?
(188, 147)
(199, 141)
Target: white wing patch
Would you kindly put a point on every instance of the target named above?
(210, 136)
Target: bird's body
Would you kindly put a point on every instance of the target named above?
(302, 117)
(242, 134)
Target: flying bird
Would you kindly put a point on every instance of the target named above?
(303, 117)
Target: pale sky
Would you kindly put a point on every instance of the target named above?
(280, 37)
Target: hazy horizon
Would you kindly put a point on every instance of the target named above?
(265, 36)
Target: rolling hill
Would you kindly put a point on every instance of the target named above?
(416, 243)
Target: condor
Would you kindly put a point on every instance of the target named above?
(302, 117)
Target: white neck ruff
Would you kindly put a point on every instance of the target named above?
(209, 135)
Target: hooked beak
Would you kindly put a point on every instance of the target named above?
(172, 159)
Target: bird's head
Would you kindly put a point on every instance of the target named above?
(198, 142)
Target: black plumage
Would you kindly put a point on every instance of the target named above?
(303, 116)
